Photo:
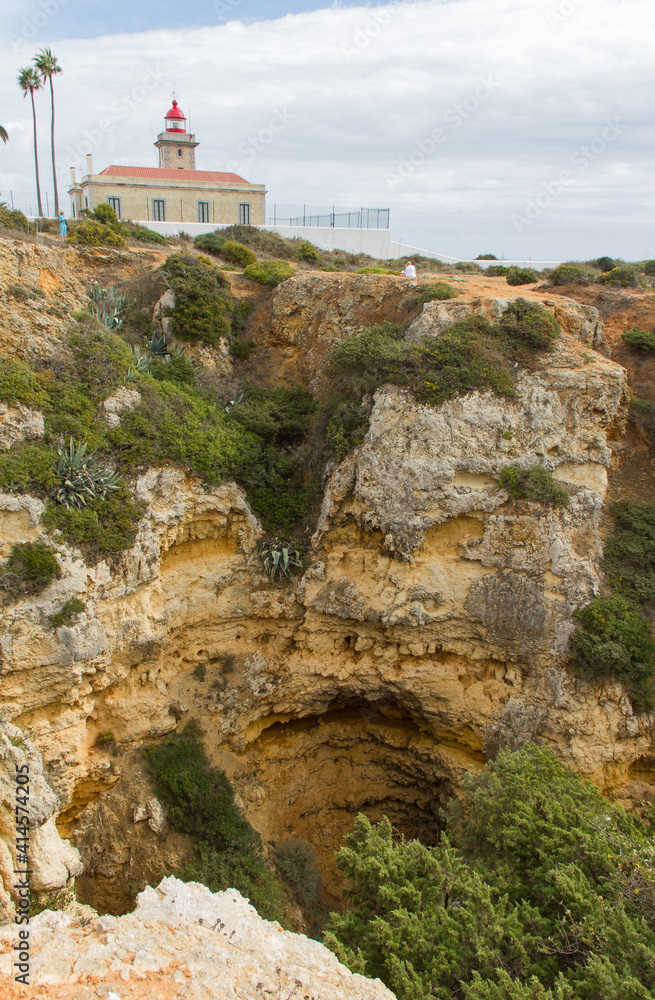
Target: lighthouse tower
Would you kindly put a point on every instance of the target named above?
(177, 148)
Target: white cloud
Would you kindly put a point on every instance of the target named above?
(358, 90)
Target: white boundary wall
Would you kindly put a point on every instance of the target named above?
(376, 242)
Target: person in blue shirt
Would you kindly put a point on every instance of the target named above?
(62, 226)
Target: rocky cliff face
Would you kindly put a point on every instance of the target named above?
(428, 629)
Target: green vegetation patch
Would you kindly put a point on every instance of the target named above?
(261, 240)
(615, 637)
(95, 234)
(564, 274)
(521, 276)
(20, 384)
(438, 292)
(539, 889)
(471, 354)
(347, 428)
(31, 566)
(24, 292)
(200, 802)
(534, 483)
(203, 304)
(624, 275)
(615, 641)
(13, 219)
(102, 529)
(210, 242)
(640, 339)
(141, 234)
(269, 272)
(69, 610)
(237, 254)
(308, 252)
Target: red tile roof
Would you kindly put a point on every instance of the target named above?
(157, 173)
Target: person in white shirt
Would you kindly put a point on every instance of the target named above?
(410, 270)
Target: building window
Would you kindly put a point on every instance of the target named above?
(203, 211)
(244, 213)
(158, 210)
(115, 203)
(179, 152)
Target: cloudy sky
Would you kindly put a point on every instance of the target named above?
(516, 127)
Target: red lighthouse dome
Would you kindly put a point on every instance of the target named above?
(175, 121)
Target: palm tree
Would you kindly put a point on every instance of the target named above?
(48, 66)
(3, 134)
(29, 81)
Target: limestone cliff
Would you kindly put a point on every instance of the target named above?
(428, 629)
(186, 942)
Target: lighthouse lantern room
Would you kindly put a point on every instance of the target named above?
(177, 148)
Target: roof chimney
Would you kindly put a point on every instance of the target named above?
(89, 163)
(73, 181)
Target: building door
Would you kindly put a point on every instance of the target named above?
(158, 210)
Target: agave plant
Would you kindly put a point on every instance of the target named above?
(140, 364)
(279, 558)
(81, 479)
(159, 346)
(107, 306)
(233, 402)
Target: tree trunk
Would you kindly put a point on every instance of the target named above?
(52, 143)
(36, 160)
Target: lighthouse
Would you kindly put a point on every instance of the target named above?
(177, 148)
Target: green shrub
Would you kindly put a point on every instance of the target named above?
(468, 267)
(640, 339)
(105, 214)
(210, 242)
(24, 292)
(605, 263)
(486, 256)
(648, 267)
(262, 240)
(177, 367)
(534, 483)
(308, 252)
(279, 491)
(95, 234)
(498, 271)
(203, 304)
(237, 254)
(624, 275)
(438, 292)
(269, 272)
(19, 384)
(540, 889)
(376, 270)
(642, 413)
(28, 468)
(241, 348)
(468, 355)
(295, 861)
(529, 324)
(31, 566)
(141, 234)
(521, 276)
(279, 415)
(565, 274)
(100, 530)
(73, 606)
(614, 641)
(199, 801)
(13, 219)
(629, 556)
(346, 429)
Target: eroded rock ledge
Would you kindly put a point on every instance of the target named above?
(184, 939)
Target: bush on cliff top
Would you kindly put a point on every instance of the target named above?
(31, 566)
(534, 483)
(640, 339)
(540, 889)
(472, 353)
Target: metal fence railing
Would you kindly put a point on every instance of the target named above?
(335, 218)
